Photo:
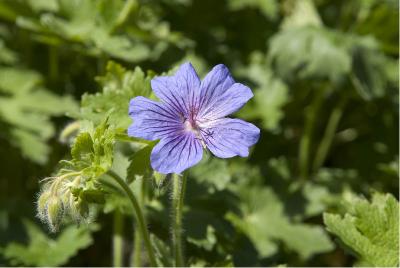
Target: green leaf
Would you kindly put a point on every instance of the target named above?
(93, 196)
(316, 52)
(14, 81)
(122, 47)
(310, 52)
(369, 229)
(270, 94)
(119, 86)
(162, 252)
(93, 27)
(103, 145)
(372, 70)
(82, 147)
(391, 168)
(213, 173)
(27, 109)
(140, 164)
(92, 152)
(31, 145)
(42, 250)
(263, 220)
(204, 234)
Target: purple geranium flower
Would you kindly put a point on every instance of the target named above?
(190, 116)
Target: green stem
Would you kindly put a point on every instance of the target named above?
(117, 239)
(137, 253)
(305, 142)
(139, 216)
(329, 134)
(178, 195)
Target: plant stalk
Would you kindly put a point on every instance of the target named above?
(137, 253)
(139, 216)
(117, 239)
(305, 142)
(136, 259)
(329, 134)
(178, 195)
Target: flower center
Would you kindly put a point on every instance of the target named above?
(190, 125)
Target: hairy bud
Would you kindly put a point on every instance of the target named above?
(42, 205)
(76, 208)
(63, 195)
(55, 211)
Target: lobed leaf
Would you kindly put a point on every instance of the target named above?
(27, 109)
(119, 86)
(369, 229)
(42, 250)
(263, 220)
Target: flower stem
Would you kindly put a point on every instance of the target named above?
(139, 216)
(117, 239)
(178, 195)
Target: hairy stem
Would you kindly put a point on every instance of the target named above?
(178, 195)
(329, 134)
(305, 142)
(117, 239)
(139, 216)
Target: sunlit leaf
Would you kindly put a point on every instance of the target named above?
(119, 86)
(369, 229)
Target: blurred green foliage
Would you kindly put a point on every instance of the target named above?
(45, 251)
(325, 78)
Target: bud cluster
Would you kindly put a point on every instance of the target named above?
(60, 197)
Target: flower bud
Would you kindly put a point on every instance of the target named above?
(55, 211)
(77, 208)
(42, 205)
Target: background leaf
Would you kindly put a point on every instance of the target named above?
(42, 250)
